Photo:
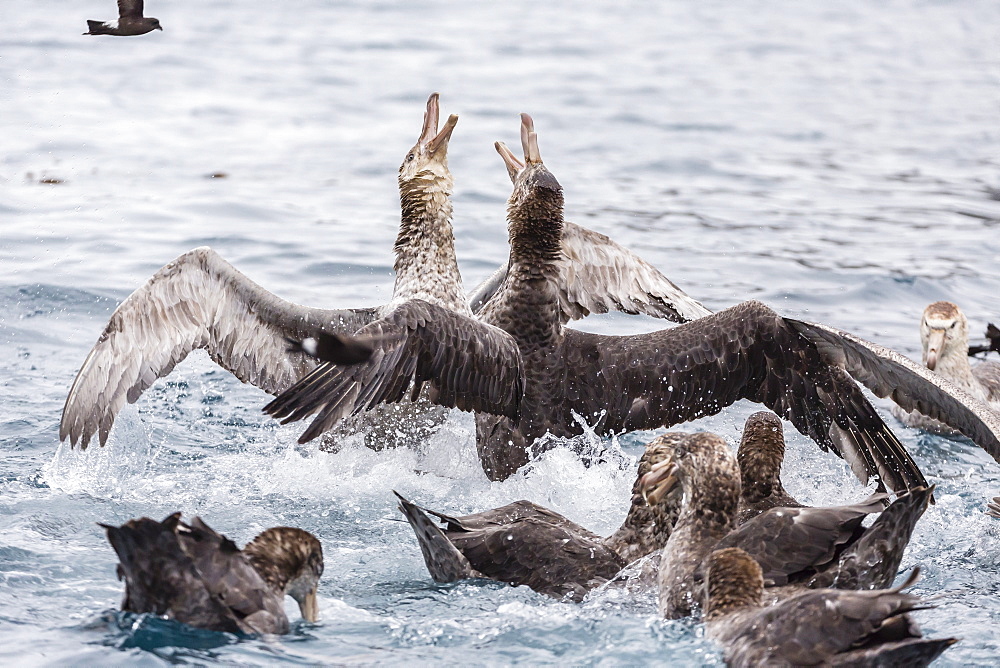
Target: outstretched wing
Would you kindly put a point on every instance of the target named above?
(598, 275)
(130, 8)
(745, 352)
(889, 374)
(468, 364)
(197, 301)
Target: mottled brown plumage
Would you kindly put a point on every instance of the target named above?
(822, 627)
(616, 383)
(808, 547)
(523, 543)
(191, 573)
(761, 452)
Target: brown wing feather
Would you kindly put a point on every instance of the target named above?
(745, 352)
(130, 8)
(546, 557)
(888, 374)
(468, 364)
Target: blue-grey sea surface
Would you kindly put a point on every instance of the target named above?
(838, 160)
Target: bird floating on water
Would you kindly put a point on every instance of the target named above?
(825, 627)
(796, 547)
(130, 21)
(944, 338)
(523, 543)
(192, 574)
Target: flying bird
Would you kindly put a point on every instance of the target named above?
(130, 21)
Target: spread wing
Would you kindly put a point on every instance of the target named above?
(512, 512)
(988, 375)
(197, 301)
(745, 352)
(888, 374)
(468, 364)
(599, 275)
(130, 8)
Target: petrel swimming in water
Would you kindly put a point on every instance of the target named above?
(191, 573)
(201, 301)
(826, 627)
(796, 547)
(130, 21)
(523, 543)
(944, 338)
(528, 375)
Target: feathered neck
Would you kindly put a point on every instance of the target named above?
(535, 221)
(734, 582)
(426, 265)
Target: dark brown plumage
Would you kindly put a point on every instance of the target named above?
(762, 450)
(191, 573)
(993, 341)
(523, 543)
(617, 383)
(130, 21)
(795, 546)
(821, 627)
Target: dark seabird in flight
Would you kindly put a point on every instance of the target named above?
(548, 376)
(191, 573)
(130, 21)
(201, 301)
(825, 627)
(796, 547)
(523, 543)
(944, 338)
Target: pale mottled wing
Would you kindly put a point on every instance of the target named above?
(988, 375)
(598, 275)
(889, 374)
(745, 352)
(468, 364)
(129, 8)
(546, 557)
(791, 543)
(197, 301)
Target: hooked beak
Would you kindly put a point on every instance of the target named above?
(529, 140)
(935, 341)
(159, 27)
(514, 165)
(309, 607)
(430, 137)
(660, 480)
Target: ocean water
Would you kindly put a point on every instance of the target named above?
(839, 161)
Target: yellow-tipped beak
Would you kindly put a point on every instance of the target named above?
(660, 480)
(309, 607)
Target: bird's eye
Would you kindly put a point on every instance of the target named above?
(410, 157)
(953, 325)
